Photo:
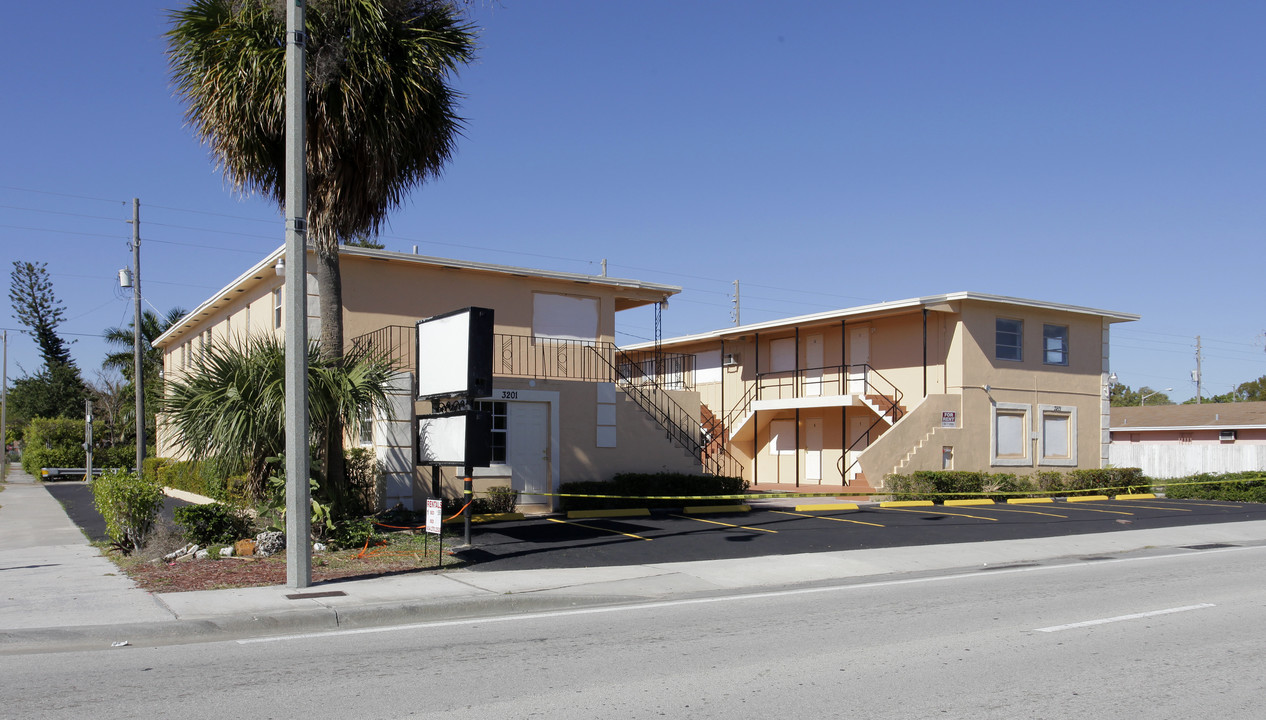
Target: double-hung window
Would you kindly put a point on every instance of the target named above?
(1055, 344)
(1009, 339)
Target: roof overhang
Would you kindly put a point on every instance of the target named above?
(628, 293)
(948, 302)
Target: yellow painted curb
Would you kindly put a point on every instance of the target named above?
(827, 506)
(906, 503)
(1029, 501)
(1087, 498)
(1137, 496)
(705, 509)
(627, 512)
(972, 501)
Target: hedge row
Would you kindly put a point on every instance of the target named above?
(1235, 487)
(960, 485)
(641, 485)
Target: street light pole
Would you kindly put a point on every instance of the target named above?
(1154, 392)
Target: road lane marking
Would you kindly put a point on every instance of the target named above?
(1123, 618)
(595, 527)
(653, 605)
(729, 525)
(827, 517)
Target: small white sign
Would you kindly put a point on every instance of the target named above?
(434, 516)
(949, 419)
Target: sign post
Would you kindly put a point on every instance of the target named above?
(435, 523)
(454, 361)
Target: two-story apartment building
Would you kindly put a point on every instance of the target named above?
(559, 412)
(963, 381)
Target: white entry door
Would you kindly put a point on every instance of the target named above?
(858, 357)
(527, 449)
(814, 359)
(813, 450)
(857, 431)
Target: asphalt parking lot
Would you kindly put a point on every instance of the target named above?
(556, 542)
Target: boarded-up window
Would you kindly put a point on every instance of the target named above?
(782, 437)
(782, 355)
(708, 367)
(1010, 434)
(564, 317)
(1055, 435)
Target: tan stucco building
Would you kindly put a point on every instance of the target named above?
(559, 412)
(962, 381)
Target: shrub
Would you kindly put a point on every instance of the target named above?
(364, 481)
(1234, 487)
(185, 475)
(214, 523)
(502, 499)
(638, 486)
(1089, 482)
(129, 504)
(55, 442)
(350, 532)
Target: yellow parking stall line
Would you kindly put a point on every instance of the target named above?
(1200, 504)
(1024, 512)
(825, 517)
(1135, 503)
(1098, 510)
(925, 510)
(729, 525)
(595, 527)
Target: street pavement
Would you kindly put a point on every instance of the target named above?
(58, 592)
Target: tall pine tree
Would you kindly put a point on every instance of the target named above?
(58, 389)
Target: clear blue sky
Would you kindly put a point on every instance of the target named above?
(825, 154)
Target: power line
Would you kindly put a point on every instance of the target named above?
(65, 195)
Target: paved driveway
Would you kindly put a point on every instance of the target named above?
(672, 537)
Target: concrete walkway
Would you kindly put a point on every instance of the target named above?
(50, 576)
(58, 592)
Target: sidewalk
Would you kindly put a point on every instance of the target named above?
(60, 593)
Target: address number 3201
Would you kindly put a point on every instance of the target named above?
(509, 394)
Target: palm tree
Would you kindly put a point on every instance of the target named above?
(231, 409)
(380, 114)
(124, 360)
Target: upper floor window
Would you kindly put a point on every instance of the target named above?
(1055, 344)
(1009, 337)
(277, 308)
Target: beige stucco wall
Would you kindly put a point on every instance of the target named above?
(574, 453)
(1030, 382)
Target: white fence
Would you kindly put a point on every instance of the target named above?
(1162, 460)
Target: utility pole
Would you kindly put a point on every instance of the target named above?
(4, 410)
(138, 376)
(1197, 375)
(735, 310)
(298, 493)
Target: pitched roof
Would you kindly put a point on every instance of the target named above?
(893, 307)
(1205, 415)
(264, 268)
